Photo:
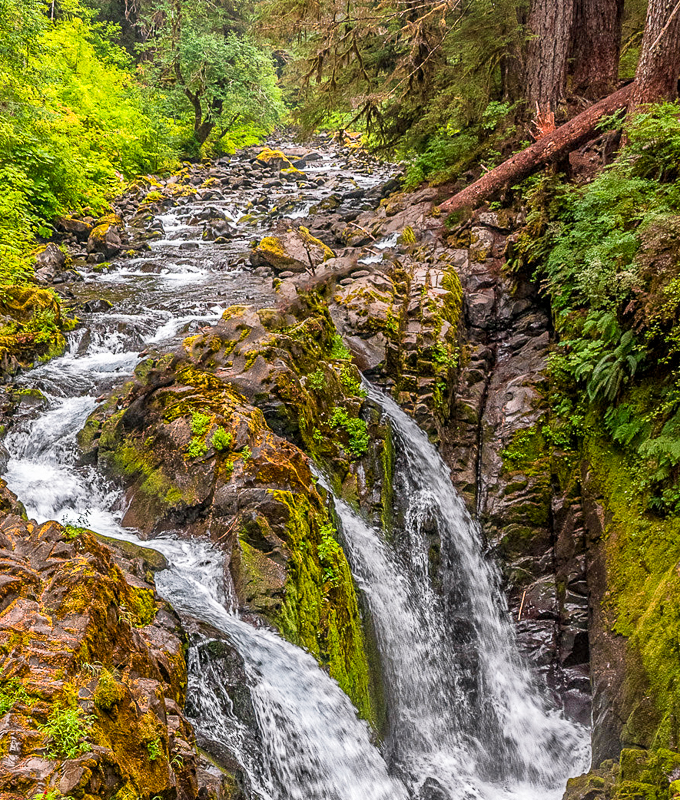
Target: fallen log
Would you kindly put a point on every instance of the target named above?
(547, 150)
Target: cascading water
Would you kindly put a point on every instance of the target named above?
(473, 726)
(465, 719)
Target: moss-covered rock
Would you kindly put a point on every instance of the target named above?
(208, 440)
(91, 679)
(294, 250)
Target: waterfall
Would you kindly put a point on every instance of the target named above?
(466, 721)
(465, 713)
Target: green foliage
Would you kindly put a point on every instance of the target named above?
(246, 453)
(196, 448)
(222, 440)
(199, 423)
(67, 729)
(12, 692)
(72, 120)
(608, 256)
(355, 428)
(339, 351)
(350, 382)
(210, 69)
(329, 551)
(316, 380)
(155, 749)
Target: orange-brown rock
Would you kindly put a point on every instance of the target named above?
(92, 671)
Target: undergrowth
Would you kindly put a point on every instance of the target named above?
(608, 257)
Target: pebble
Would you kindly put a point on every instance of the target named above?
(361, 273)
(287, 274)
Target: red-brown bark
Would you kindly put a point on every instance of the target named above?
(548, 149)
(545, 77)
(596, 47)
(659, 66)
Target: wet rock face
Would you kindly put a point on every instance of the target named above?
(206, 440)
(504, 462)
(93, 672)
(463, 346)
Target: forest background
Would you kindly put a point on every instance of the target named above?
(96, 92)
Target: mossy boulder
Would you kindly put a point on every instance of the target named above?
(31, 326)
(90, 673)
(294, 250)
(274, 158)
(208, 440)
(105, 238)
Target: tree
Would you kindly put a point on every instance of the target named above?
(596, 47)
(196, 55)
(550, 25)
(657, 73)
(548, 149)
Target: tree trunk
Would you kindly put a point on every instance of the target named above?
(545, 77)
(659, 66)
(548, 149)
(596, 47)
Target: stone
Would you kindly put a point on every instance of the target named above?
(78, 227)
(105, 240)
(97, 306)
(293, 250)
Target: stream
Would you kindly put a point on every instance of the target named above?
(467, 719)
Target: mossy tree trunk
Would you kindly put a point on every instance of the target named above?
(659, 66)
(596, 47)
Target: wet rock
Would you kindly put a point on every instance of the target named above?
(97, 306)
(61, 617)
(293, 250)
(49, 263)
(105, 239)
(78, 227)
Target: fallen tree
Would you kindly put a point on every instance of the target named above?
(547, 150)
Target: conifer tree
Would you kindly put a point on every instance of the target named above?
(657, 73)
(596, 47)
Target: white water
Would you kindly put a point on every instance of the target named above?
(465, 711)
(466, 721)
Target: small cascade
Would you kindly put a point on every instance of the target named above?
(466, 711)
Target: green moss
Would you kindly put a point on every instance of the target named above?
(387, 489)
(407, 236)
(109, 691)
(320, 611)
(643, 595)
(143, 606)
(133, 460)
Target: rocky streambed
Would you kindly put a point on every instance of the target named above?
(211, 405)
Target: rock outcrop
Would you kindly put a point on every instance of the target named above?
(93, 677)
(198, 437)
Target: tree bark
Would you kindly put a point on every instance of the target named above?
(659, 66)
(596, 47)
(548, 149)
(545, 78)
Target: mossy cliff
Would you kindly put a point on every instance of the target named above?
(92, 671)
(214, 440)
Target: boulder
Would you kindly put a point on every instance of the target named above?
(105, 239)
(78, 227)
(49, 263)
(296, 250)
